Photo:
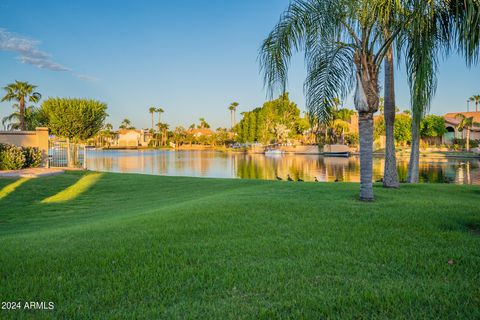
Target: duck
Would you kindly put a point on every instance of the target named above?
(300, 180)
(278, 178)
(336, 179)
(289, 178)
(316, 180)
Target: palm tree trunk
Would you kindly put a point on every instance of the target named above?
(365, 129)
(476, 105)
(153, 129)
(23, 127)
(415, 152)
(467, 141)
(390, 174)
(234, 117)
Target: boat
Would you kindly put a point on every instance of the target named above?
(273, 152)
(336, 150)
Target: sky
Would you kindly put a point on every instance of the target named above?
(192, 58)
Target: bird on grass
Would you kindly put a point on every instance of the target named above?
(289, 178)
(336, 179)
(278, 178)
(300, 180)
(316, 180)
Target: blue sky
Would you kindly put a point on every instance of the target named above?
(190, 57)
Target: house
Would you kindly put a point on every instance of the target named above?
(451, 123)
(200, 132)
(132, 138)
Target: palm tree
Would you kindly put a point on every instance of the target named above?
(160, 111)
(33, 118)
(466, 123)
(436, 27)
(126, 124)
(152, 110)
(233, 110)
(21, 92)
(475, 98)
(203, 124)
(342, 41)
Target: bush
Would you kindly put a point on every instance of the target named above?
(461, 143)
(33, 157)
(351, 139)
(11, 157)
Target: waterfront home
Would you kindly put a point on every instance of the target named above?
(200, 132)
(132, 138)
(451, 124)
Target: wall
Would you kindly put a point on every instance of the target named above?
(37, 138)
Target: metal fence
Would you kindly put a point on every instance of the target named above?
(64, 154)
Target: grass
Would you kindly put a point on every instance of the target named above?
(138, 246)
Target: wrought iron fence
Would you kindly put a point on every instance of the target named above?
(64, 154)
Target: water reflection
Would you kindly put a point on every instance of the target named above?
(258, 166)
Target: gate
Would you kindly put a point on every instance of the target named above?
(63, 154)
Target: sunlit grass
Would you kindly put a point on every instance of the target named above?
(149, 247)
(70, 193)
(9, 188)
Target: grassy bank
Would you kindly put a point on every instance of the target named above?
(137, 246)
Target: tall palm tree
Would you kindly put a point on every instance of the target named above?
(466, 123)
(152, 110)
(233, 111)
(160, 111)
(437, 27)
(21, 92)
(475, 98)
(342, 41)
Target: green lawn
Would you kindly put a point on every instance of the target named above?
(137, 246)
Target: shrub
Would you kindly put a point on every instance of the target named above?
(351, 138)
(33, 157)
(11, 157)
(461, 143)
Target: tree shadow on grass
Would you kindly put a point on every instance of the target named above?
(42, 201)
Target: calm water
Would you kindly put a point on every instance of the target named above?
(258, 166)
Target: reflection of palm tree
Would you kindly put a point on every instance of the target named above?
(466, 123)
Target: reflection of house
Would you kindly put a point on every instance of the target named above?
(451, 123)
(132, 138)
(200, 132)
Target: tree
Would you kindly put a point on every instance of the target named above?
(33, 118)
(152, 110)
(233, 111)
(126, 124)
(437, 27)
(342, 40)
(466, 123)
(74, 119)
(21, 92)
(432, 126)
(475, 98)
(160, 111)
(203, 124)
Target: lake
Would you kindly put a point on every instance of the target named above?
(258, 166)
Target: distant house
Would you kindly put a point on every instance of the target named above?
(200, 132)
(451, 123)
(132, 138)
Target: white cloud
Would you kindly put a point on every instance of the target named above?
(29, 53)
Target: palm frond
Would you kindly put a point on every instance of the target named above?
(330, 75)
